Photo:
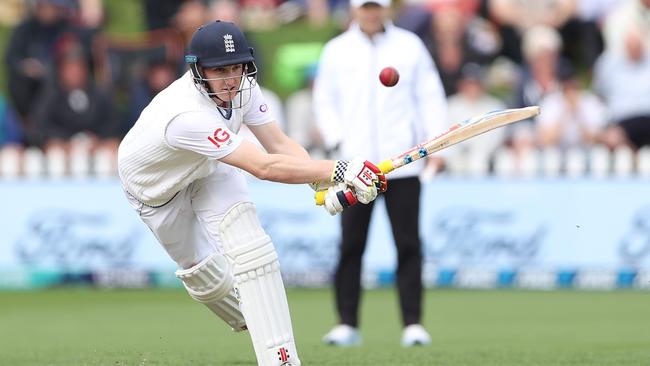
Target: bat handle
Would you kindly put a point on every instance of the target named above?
(386, 166)
(319, 197)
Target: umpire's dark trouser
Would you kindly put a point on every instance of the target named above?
(403, 204)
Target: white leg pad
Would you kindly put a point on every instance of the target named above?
(257, 273)
(211, 282)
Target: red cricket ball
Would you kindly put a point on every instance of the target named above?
(389, 76)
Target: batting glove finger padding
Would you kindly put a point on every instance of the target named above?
(338, 198)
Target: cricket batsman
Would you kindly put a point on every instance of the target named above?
(180, 167)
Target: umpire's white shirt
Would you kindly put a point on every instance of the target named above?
(366, 119)
(178, 139)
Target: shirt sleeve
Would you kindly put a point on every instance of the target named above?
(431, 102)
(202, 133)
(258, 111)
(325, 97)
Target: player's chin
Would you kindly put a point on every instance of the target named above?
(228, 95)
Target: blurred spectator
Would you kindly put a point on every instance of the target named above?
(470, 101)
(190, 16)
(159, 13)
(87, 24)
(524, 14)
(623, 80)
(571, 117)
(518, 16)
(339, 10)
(454, 35)
(11, 132)
(541, 47)
(29, 54)
(227, 10)
(301, 122)
(595, 10)
(91, 13)
(158, 75)
(72, 105)
(589, 15)
(11, 12)
(628, 13)
(318, 11)
(459, 36)
(259, 15)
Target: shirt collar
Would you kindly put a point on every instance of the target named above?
(388, 29)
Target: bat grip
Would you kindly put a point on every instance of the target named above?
(386, 166)
(319, 197)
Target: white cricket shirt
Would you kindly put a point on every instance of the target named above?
(178, 138)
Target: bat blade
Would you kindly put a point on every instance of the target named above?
(457, 133)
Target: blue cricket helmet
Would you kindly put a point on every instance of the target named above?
(221, 44)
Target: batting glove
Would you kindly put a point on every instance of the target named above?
(338, 198)
(363, 176)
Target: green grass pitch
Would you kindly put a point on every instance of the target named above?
(166, 327)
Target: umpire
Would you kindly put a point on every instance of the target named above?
(381, 122)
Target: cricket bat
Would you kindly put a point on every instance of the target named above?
(459, 132)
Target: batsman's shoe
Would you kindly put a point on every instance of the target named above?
(343, 335)
(415, 335)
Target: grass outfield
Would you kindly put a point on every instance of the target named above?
(165, 327)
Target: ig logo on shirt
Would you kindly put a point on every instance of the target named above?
(219, 137)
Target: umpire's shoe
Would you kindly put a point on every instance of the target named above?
(343, 335)
(415, 335)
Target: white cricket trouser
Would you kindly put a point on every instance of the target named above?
(188, 225)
